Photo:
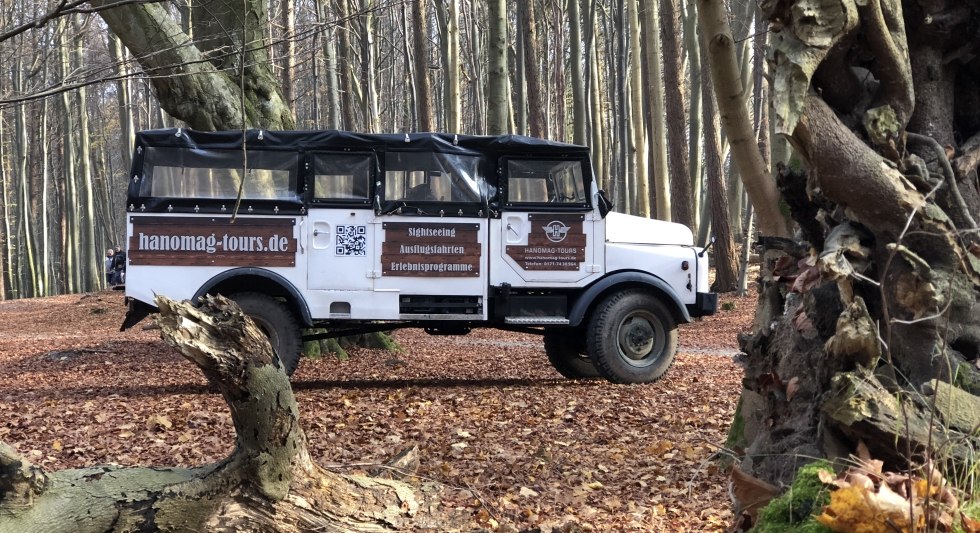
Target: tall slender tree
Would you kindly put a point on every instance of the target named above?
(498, 87)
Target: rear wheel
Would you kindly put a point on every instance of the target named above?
(277, 321)
(566, 351)
(632, 338)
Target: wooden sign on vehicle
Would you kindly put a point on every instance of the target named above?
(555, 242)
(427, 249)
(212, 241)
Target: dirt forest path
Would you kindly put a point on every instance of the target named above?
(486, 411)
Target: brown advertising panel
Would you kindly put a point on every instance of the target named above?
(212, 241)
(429, 249)
(555, 242)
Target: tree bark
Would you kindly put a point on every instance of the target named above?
(220, 80)
(579, 88)
(882, 295)
(725, 260)
(420, 49)
(536, 102)
(449, 26)
(268, 483)
(682, 201)
(641, 174)
(498, 86)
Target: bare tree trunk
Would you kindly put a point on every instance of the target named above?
(331, 91)
(47, 277)
(498, 87)
(558, 94)
(420, 49)
(368, 82)
(7, 251)
(623, 184)
(682, 203)
(537, 122)
(596, 116)
(449, 28)
(25, 232)
(713, 22)
(287, 54)
(90, 257)
(580, 108)
(693, 49)
(348, 88)
(71, 233)
(641, 191)
(725, 260)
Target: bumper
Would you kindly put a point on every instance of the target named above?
(705, 304)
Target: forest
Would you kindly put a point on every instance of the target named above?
(625, 78)
(847, 133)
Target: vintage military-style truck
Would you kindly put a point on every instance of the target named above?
(356, 233)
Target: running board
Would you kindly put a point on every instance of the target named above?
(537, 320)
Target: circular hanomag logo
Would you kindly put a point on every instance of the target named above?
(556, 230)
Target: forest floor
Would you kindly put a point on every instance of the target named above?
(510, 440)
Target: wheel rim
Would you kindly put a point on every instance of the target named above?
(641, 338)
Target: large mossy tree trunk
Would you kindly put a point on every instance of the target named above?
(219, 76)
(268, 483)
(878, 293)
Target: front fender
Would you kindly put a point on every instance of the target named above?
(628, 279)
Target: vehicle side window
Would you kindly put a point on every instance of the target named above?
(342, 176)
(541, 181)
(432, 177)
(217, 174)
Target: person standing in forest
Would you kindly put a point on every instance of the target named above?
(109, 262)
(119, 266)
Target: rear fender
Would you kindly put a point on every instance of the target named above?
(257, 280)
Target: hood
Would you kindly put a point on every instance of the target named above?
(638, 230)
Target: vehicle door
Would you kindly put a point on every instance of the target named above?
(545, 234)
(341, 243)
(432, 223)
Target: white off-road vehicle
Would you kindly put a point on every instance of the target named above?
(357, 233)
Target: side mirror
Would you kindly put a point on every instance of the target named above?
(705, 250)
(604, 204)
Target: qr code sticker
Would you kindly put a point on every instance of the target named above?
(351, 240)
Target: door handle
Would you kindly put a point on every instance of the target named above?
(316, 232)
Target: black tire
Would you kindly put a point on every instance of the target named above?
(632, 338)
(566, 352)
(278, 322)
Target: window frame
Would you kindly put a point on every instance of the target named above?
(504, 186)
(310, 179)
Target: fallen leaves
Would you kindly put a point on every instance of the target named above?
(510, 440)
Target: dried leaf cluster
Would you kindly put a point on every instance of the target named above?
(867, 500)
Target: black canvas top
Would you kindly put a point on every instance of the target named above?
(313, 140)
(492, 149)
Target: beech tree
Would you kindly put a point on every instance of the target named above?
(872, 309)
(217, 78)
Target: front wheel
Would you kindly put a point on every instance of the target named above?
(632, 338)
(566, 352)
(275, 319)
